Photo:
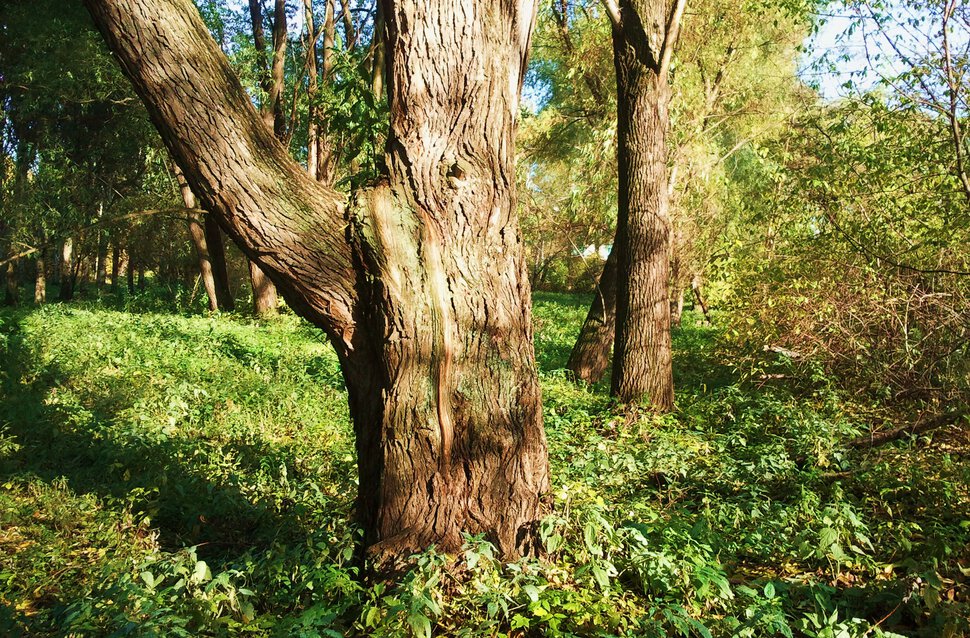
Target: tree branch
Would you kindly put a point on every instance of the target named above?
(670, 38)
(613, 11)
(292, 226)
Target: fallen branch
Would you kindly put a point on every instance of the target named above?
(880, 438)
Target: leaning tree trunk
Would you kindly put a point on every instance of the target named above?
(590, 358)
(420, 281)
(642, 370)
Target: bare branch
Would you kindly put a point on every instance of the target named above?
(670, 38)
(613, 11)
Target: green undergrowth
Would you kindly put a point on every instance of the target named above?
(182, 475)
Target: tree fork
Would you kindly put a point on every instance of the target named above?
(420, 281)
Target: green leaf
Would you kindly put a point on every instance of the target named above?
(420, 625)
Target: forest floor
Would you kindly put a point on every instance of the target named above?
(166, 473)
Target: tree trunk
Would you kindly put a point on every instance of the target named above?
(217, 259)
(420, 280)
(197, 237)
(279, 69)
(326, 154)
(40, 278)
(265, 302)
(11, 297)
(642, 370)
(695, 286)
(264, 292)
(131, 274)
(677, 310)
(67, 270)
(101, 258)
(590, 358)
(115, 265)
(313, 127)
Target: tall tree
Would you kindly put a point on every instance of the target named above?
(419, 279)
(644, 35)
(272, 82)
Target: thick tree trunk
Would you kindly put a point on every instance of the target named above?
(265, 302)
(217, 260)
(40, 278)
(421, 283)
(642, 371)
(67, 270)
(197, 237)
(590, 358)
(131, 274)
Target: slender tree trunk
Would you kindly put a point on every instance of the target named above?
(264, 291)
(67, 269)
(217, 259)
(642, 370)
(12, 296)
(313, 132)
(278, 71)
(40, 278)
(115, 265)
(130, 271)
(197, 237)
(326, 154)
(420, 280)
(590, 358)
(101, 259)
(695, 286)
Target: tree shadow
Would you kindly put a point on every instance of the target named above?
(152, 473)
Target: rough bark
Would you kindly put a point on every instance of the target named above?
(197, 237)
(265, 300)
(642, 370)
(590, 358)
(67, 270)
(40, 278)
(421, 283)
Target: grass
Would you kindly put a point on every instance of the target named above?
(182, 474)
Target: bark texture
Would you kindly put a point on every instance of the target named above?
(642, 371)
(420, 282)
(590, 358)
